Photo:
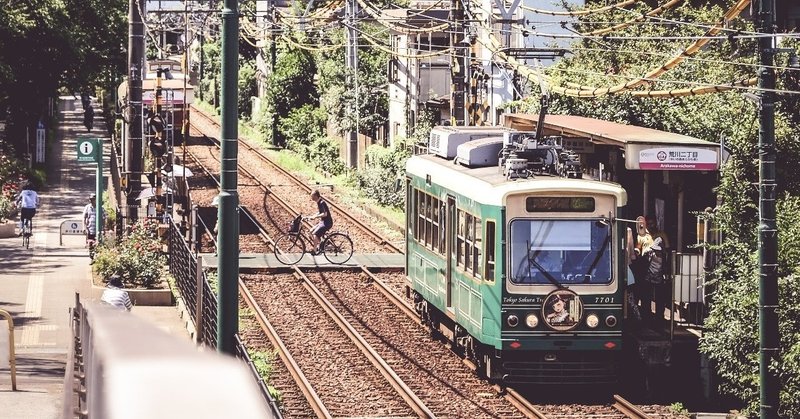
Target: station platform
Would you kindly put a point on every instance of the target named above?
(255, 261)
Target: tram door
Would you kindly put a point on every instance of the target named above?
(450, 248)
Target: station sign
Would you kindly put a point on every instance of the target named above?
(648, 157)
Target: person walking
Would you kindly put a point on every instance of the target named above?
(115, 296)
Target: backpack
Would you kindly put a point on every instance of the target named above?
(655, 268)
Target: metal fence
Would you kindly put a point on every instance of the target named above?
(194, 288)
(201, 304)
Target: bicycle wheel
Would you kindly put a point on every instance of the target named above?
(289, 249)
(337, 248)
(26, 234)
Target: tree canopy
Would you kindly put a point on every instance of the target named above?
(47, 45)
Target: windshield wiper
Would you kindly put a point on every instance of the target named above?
(532, 260)
(599, 255)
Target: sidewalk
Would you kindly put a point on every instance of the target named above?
(38, 285)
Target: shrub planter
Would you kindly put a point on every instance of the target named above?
(8, 229)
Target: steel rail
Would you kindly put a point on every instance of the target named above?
(516, 399)
(294, 369)
(392, 296)
(380, 239)
(372, 355)
(260, 184)
(628, 409)
(522, 404)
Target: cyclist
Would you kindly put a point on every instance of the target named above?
(89, 215)
(325, 223)
(27, 202)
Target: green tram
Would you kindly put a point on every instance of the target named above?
(524, 274)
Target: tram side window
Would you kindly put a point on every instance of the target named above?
(489, 251)
(468, 242)
(428, 224)
(460, 238)
(420, 217)
(435, 203)
(476, 248)
(443, 231)
(428, 230)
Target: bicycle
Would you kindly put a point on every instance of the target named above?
(26, 232)
(91, 243)
(337, 247)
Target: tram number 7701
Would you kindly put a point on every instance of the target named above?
(603, 300)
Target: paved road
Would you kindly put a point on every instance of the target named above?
(38, 285)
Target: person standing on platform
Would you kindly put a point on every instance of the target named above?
(656, 255)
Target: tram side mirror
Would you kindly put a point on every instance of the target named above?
(603, 222)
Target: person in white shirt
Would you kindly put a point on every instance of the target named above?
(115, 296)
(27, 202)
(89, 214)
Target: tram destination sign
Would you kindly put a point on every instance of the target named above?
(672, 158)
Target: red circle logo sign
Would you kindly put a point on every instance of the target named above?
(562, 310)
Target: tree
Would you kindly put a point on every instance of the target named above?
(47, 44)
(731, 337)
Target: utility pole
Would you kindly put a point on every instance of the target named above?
(458, 71)
(273, 60)
(228, 215)
(133, 147)
(351, 10)
(769, 339)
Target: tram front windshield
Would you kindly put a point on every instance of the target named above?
(560, 252)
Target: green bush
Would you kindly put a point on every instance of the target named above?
(384, 166)
(247, 88)
(136, 257)
(324, 155)
(302, 127)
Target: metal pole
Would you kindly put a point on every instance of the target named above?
(228, 217)
(351, 8)
(457, 72)
(769, 339)
(98, 219)
(133, 150)
(273, 60)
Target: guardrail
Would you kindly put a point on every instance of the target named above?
(7, 357)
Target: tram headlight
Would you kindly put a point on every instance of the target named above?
(512, 320)
(611, 321)
(531, 320)
(592, 320)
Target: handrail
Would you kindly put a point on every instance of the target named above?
(11, 357)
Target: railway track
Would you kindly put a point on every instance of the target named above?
(362, 235)
(356, 326)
